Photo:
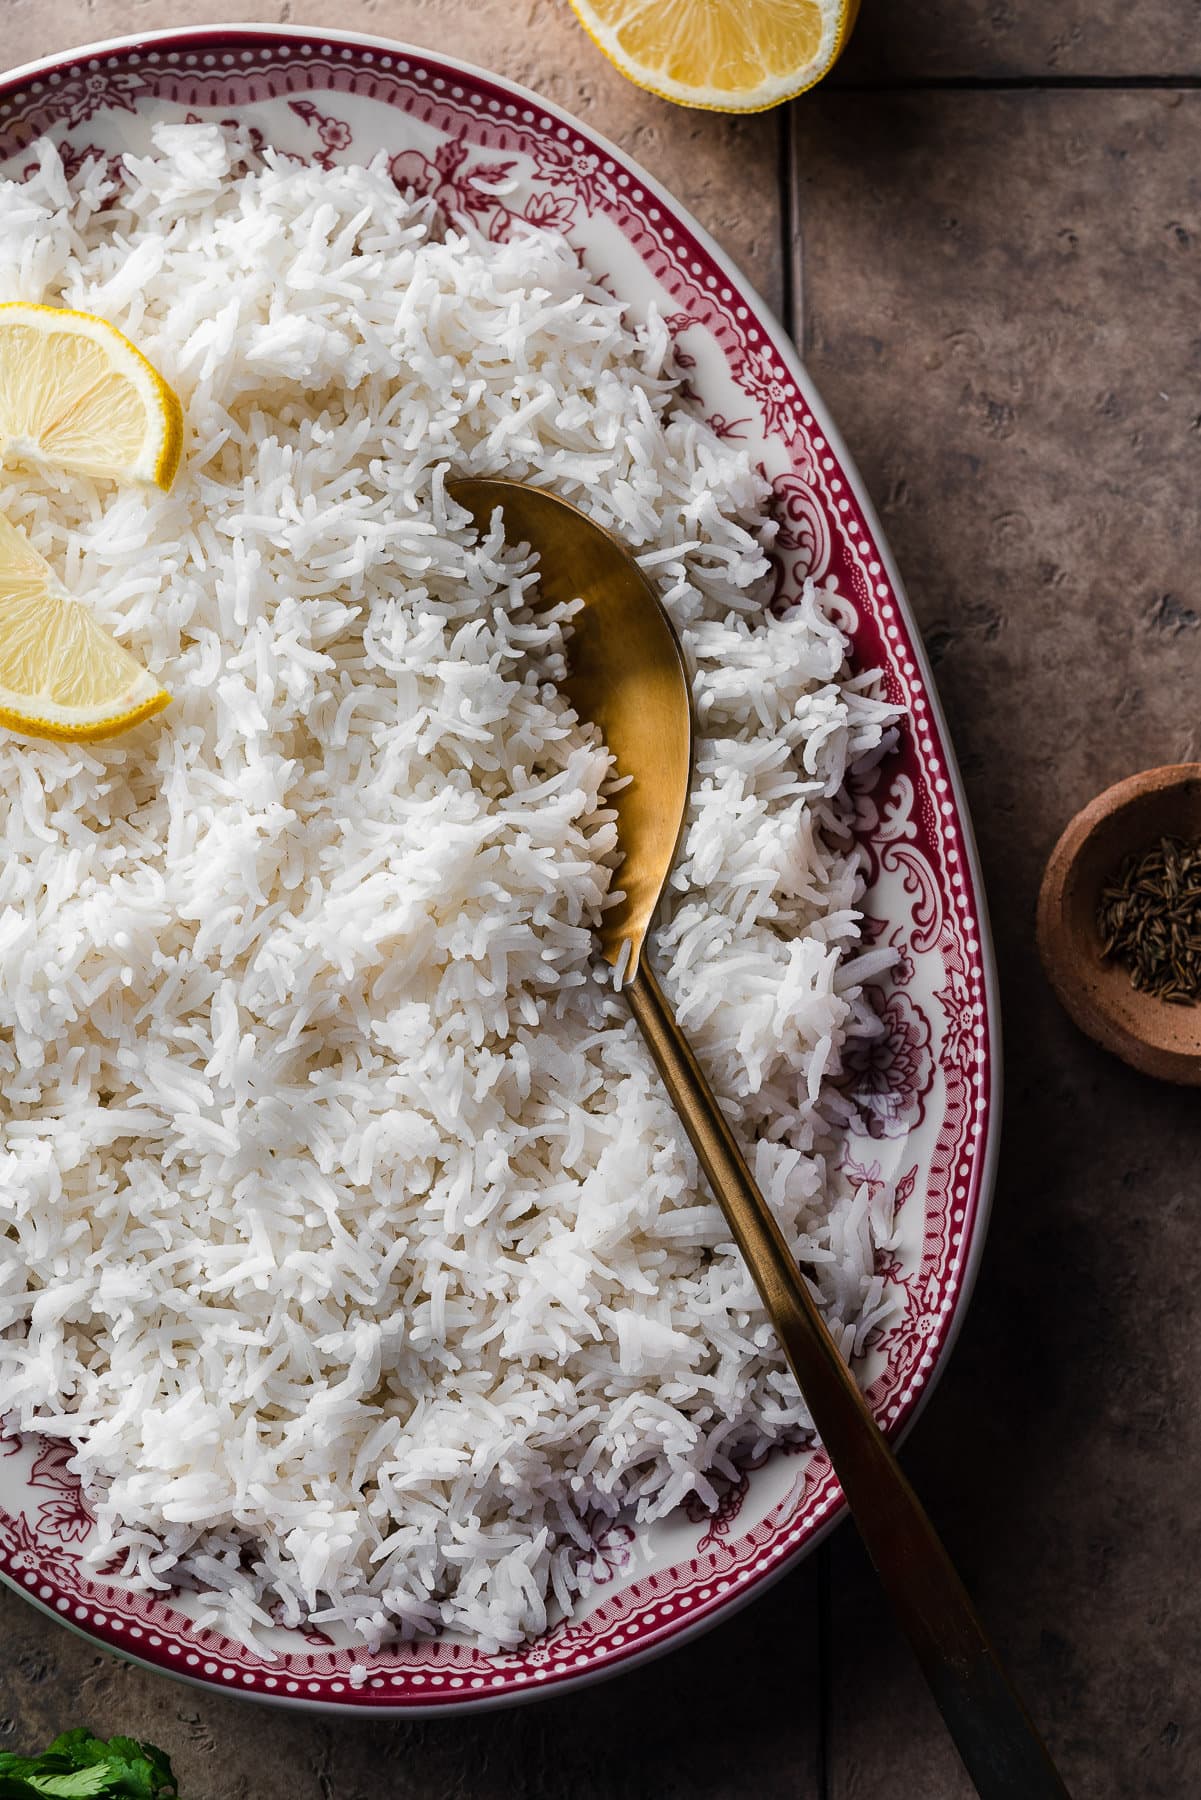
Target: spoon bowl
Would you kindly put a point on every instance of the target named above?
(626, 674)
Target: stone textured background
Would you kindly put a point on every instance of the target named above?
(985, 231)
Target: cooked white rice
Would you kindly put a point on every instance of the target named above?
(347, 1233)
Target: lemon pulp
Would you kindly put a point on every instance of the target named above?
(61, 674)
(730, 55)
(76, 393)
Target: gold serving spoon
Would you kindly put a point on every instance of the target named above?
(628, 675)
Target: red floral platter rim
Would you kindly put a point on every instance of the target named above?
(941, 1087)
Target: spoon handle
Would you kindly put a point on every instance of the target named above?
(991, 1729)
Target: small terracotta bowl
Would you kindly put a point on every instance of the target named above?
(1161, 1039)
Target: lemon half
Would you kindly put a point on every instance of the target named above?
(61, 674)
(74, 392)
(728, 55)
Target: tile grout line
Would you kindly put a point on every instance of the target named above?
(983, 84)
(791, 239)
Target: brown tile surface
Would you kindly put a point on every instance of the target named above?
(1001, 309)
(986, 39)
(709, 163)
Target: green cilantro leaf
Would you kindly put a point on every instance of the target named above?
(80, 1766)
(81, 1784)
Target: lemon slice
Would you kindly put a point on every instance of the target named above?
(729, 55)
(74, 392)
(61, 674)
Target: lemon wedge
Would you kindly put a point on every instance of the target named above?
(728, 55)
(74, 392)
(61, 674)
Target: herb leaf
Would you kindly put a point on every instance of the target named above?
(79, 1785)
(80, 1766)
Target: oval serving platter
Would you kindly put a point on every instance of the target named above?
(926, 1090)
